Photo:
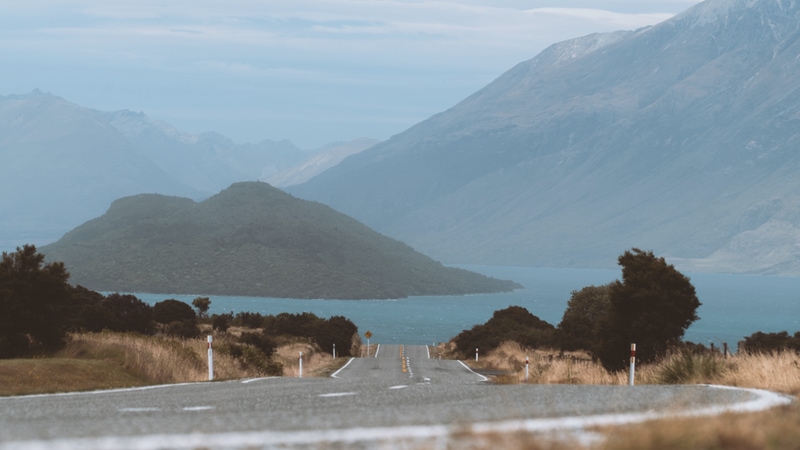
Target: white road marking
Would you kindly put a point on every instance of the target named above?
(467, 367)
(334, 374)
(402, 386)
(377, 350)
(197, 408)
(268, 439)
(250, 380)
(138, 409)
(337, 394)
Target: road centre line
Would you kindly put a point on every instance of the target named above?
(377, 350)
(337, 394)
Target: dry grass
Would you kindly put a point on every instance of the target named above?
(46, 376)
(315, 362)
(778, 428)
(106, 360)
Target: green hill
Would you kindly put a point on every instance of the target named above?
(252, 240)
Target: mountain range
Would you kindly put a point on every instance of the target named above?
(253, 240)
(64, 164)
(681, 138)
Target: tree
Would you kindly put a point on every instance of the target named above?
(171, 310)
(652, 307)
(201, 304)
(34, 302)
(578, 327)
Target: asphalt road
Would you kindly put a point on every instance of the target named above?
(399, 393)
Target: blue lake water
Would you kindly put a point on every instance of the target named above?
(734, 306)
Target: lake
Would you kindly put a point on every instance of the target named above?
(734, 306)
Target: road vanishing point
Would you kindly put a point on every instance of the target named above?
(397, 398)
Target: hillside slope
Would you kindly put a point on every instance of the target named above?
(681, 138)
(250, 239)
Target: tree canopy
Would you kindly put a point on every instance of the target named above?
(34, 300)
(652, 307)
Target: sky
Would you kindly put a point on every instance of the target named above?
(311, 71)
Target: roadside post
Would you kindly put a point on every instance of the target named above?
(633, 365)
(210, 360)
(476, 354)
(526, 369)
(334, 351)
(301, 364)
(368, 335)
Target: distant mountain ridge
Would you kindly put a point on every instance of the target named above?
(66, 163)
(250, 239)
(681, 138)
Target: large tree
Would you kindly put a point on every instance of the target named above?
(652, 307)
(579, 325)
(34, 302)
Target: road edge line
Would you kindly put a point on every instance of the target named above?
(333, 375)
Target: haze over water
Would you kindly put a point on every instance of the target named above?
(734, 306)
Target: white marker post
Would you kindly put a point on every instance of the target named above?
(301, 364)
(476, 354)
(526, 369)
(334, 351)
(633, 365)
(210, 360)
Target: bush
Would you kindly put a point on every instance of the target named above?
(690, 366)
(171, 310)
(186, 328)
(759, 342)
(221, 322)
(514, 323)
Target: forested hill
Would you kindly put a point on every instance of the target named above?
(253, 240)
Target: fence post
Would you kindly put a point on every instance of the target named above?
(301, 364)
(633, 365)
(210, 360)
(725, 349)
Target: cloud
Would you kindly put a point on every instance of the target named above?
(418, 55)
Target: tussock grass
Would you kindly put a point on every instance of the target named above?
(315, 362)
(778, 428)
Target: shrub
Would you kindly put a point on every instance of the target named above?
(221, 322)
(511, 324)
(759, 342)
(171, 310)
(690, 366)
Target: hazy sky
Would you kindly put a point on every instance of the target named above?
(310, 71)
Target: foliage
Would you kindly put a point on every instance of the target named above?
(514, 323)
(186, 328)
(652, 306)
(221, 322)
(35, 302)
(201, 304)
(690, 366)
(171, 310)
(578, 327)
(771, 342)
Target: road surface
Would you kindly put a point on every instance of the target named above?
(398, 394)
